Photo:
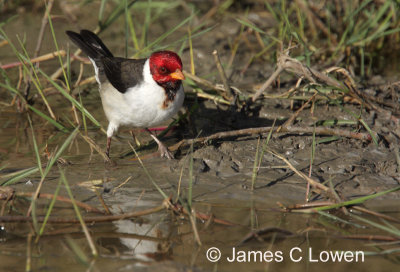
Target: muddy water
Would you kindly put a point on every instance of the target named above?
(165, 241)
(222, 187)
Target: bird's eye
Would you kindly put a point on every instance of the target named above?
(163, 70)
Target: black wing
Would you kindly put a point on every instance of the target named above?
(123, 73)
(90, 44)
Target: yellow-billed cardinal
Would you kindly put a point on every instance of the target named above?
(134, 92)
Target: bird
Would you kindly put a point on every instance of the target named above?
(138, 93)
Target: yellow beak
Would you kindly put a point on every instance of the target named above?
(177, 75)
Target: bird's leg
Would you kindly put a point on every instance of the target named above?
(112, 128)
(108, 147)
(164, 152)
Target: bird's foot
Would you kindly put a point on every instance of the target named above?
(164, 152)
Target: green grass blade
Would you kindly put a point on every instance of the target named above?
(115, 14)
(166, 34)
(47, 118)
(357, 201)
(146, 23)
(56, 45)
(190, 178)
(59, 152)
(369, 131)
(378, 226)
(35, 147)
(78, 213)
(20, 175)
(164, 195)
(49, 210)
(71, 99)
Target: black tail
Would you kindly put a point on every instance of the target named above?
(90, 44)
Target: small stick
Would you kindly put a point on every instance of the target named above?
(192, 218)
(267, 83)
(45, 21)
(370, 237)
(35, 60)
(85, 206)
(376, 214)
(294, 66)
(203, 82)
(222, 75)
(89, 219)
(294, 116)
(289, 129)
(101, 199)
(96, 147)
(313, 183)
(306, 205)
(202, 216)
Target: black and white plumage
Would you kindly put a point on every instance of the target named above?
(138, 93)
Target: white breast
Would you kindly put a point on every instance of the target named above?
(140, 106)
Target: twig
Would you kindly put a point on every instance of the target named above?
(176, 207)
(89, 219)
(203, 82)
(45, 21)
(294, 66)
(294, 116)
(222, 74)
(305, 205)
(267, 83)
(369, 237)
(192, 218)
(96, 147)
(85, 206)
(312, 182)
(376, 214)
(36, 59)
(289, 129)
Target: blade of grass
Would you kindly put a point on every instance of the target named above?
(71, 99)
(35, 147)
(133, 32)
(101, 10)
(44, 116)
(47, 118)
(78, 214)
(192, 70)
(255, 170)
(50, 164)
(118, 11)
(357, 201)
(56, 45)
(77, 250)
(190, 188)
(35, 79)
(164, 195)
(338, 219)
(378, 226)
(49, 210)
(146, 23)
(165, 35)
(16, 176)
